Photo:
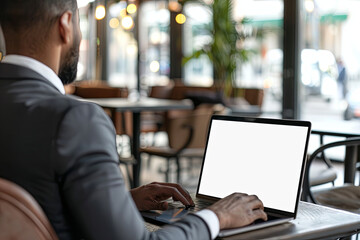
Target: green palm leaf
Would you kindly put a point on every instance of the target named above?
(222, 51)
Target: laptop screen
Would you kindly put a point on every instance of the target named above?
(265, 159)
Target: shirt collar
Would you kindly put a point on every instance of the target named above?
(36, 66)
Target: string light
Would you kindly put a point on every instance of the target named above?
(180, 18)
(114, 23)
(100, 12)
(123, 12)
(131, 8)
(127, 22)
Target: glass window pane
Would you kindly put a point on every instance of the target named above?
(154, 43)
(261, 35)
(330, 60)
(197, 72)
(122, 47)
(86, 63)
(263, 43)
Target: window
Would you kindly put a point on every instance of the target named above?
(331, 60)
(122, 47)
(154, 43)
(263, 32)
(197, 72)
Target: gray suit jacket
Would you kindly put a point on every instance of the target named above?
(63, 152)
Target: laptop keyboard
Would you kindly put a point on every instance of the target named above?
(176, 209)
(199, 205)
(202, 204)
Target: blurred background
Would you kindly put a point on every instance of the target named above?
(131, 43)
(302, 56)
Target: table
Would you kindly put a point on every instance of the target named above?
(336, 128)
(136, 107)
(250, 111)
(312, 222)
(341, 129)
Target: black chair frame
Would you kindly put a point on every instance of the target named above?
(351, 145)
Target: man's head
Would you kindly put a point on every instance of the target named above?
(47, 30)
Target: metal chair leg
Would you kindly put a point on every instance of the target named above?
(167, 171)
(178, 169)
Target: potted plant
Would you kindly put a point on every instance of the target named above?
(225, 50)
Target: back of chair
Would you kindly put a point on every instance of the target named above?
(20, 215)
(197, 119)
(347, 196)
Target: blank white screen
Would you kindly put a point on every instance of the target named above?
(254, 158)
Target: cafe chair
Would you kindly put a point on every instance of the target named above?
(21, 217)
(186, 132)
(346, 196)
(153, 121)
(322, 172)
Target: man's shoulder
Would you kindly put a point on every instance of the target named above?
(23, 79)
(72, 103)
(12, 71)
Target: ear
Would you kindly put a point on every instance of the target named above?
(65, 27)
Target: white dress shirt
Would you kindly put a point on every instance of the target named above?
(207, 215)
(211, 220)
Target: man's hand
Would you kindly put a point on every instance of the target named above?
(152, 196)
(238, 209)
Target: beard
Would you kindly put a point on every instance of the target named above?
(68, 70)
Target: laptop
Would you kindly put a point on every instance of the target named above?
(260, 156)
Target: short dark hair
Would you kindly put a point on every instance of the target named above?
(20, 15)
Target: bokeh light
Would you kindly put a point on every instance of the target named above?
(114, 23)
(154, 66)
(180, 18)
(100, 12)
(174, 6)
(123, 13)
(131, 8)
(127, 22)
(309, 6)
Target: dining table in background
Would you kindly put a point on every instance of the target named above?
(136, 106)
(345, 129)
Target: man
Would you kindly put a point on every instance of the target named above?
(341, 80)
(63, 151)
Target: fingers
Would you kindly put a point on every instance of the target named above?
(169, 191)
(255, 202)
(258, 213)
(238, 210)
(183, 193)
(256, 207)
(159, 205)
